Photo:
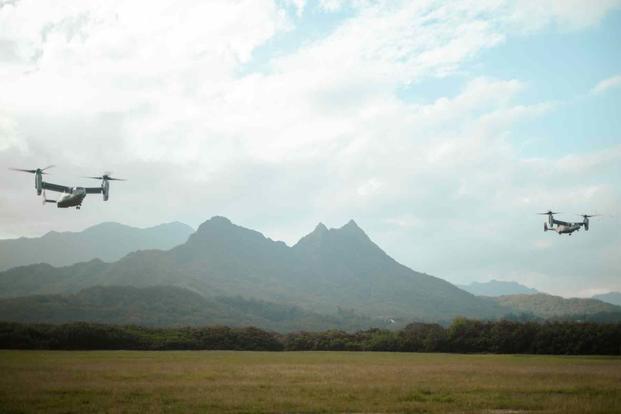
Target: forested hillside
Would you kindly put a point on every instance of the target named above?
(165, 306)
(548, 306)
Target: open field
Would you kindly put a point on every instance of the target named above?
(204, 381)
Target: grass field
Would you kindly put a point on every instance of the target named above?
(79, 382)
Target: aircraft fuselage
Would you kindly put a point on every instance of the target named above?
(73, 199)
(567, 229)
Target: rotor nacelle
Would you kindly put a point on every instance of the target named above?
(550, 214)
(105, 188)
(585, 220)
(38, 172)
(39, 181)
(105, 184)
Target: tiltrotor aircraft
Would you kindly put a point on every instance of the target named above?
(72, 196)
(564, 227)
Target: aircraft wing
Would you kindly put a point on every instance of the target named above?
(55, 187)
(93, 190)
(564, 223)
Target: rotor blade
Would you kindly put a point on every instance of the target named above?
(19, 169)
(49, 166)
(107, 177)
(548, 213)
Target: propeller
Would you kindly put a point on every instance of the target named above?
(586, 216)
(548, 213)
(106, 176)
(38, 170)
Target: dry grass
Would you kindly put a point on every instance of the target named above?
(77, 382)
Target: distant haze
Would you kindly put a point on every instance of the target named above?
(106, 241)
(497, 288)
(610, 297)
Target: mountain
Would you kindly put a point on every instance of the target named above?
(344, 265)
(497, 288)
(171, 306)
(106, 241)
(548, 306)
(327, 269)
(610, 297)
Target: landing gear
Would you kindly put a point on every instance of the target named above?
(78, 207)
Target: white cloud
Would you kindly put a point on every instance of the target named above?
(586, 163)
(607, 84)
(118, 55)
(9, 136)
(532, 15)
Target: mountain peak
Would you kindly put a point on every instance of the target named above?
(220, 230)
(352, 229)
(497, 288)
(351, 225)
(313, 238)
(107, 226)
(219, 220)
(320, 228)
(214, 222)
(349, 236)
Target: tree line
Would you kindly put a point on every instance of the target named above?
(461, 336)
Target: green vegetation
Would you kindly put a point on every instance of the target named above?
(220, 381)
(170, 306)
(548, 306)
(463, 336)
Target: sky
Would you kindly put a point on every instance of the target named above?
(441, 128)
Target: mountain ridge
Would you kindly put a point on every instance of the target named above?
(108, 241)
(613, 298)
(549, 306)
(497, 288)
(342, 267)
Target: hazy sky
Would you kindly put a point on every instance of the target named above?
(440, 127)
